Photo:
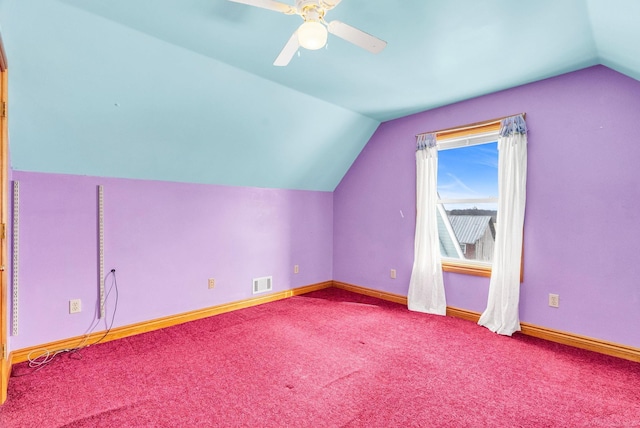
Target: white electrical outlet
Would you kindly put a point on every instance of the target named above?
(393, 274)
(554, 300)
(296, 269)
(75, 306)
(212, 283)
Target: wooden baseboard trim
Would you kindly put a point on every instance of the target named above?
(583, 342)
(396, 298)
(463, 314)
(557, 336)
(21, 355)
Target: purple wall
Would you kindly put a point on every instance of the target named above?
(583, 204)
(164, 240)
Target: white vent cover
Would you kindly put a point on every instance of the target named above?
(260, 285)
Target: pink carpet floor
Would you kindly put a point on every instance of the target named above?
(327, 359)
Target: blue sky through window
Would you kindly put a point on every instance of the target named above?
(468, 172)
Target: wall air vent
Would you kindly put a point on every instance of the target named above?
(260, 285)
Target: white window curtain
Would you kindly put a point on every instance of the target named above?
(426, 288)
(501, 314)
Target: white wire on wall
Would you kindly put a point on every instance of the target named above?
(40, 358)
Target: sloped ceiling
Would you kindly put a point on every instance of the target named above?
(186, 91)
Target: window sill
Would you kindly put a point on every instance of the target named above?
(472, 269)
(466, 268)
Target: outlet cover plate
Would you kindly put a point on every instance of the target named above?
(75, 306)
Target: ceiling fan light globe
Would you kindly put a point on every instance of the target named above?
(312, 35)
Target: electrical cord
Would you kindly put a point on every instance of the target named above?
(46, 357)
(114, 285)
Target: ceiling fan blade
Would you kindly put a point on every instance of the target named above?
(270, 5)
(357, 37)
(329, 4)
(288, 51)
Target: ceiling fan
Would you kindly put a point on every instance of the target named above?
(312, 34)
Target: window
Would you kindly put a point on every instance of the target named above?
(467, 207)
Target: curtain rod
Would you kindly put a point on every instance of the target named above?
(471, 125)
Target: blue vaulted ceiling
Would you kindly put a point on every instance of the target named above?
(186, 91)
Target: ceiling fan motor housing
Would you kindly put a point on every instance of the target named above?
(311, 11)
